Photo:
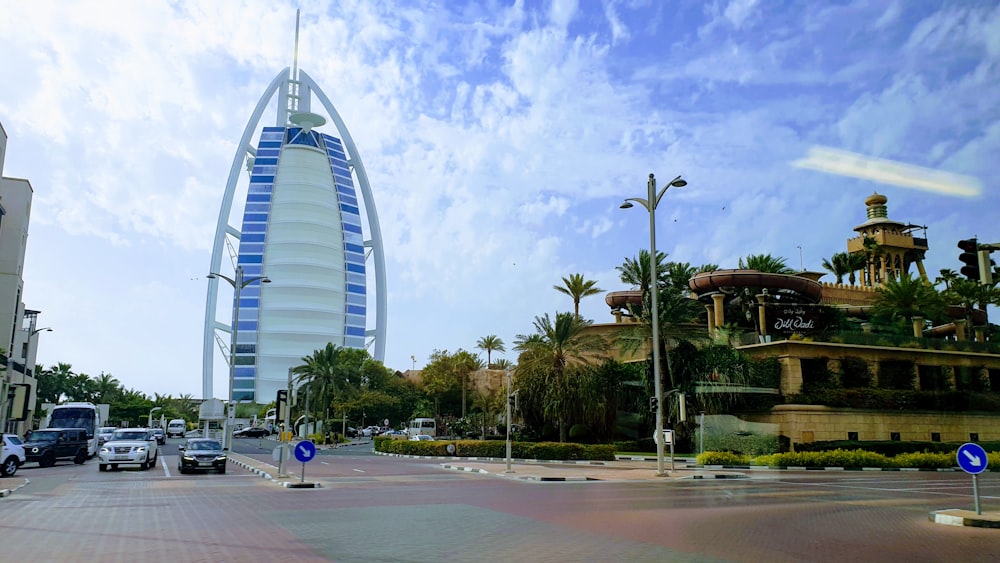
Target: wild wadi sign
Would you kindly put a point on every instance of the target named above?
(787, 319)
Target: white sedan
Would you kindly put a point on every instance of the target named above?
(421, 438)
(129, 446)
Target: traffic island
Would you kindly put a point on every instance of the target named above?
(958, 517)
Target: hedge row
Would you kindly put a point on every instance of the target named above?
(886, 447)
(843, 458)
(491, 448)
(898, 400)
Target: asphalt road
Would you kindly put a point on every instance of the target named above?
(376, 508)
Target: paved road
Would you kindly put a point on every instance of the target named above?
(375, 508)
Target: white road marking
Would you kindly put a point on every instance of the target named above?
(358, 470)
(324, 463)
(163, 464)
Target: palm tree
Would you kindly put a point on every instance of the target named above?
(906, 297)
(553, 348)
(635, 271)
(838, 265)
(106, 387)
(504, 364)
(490, 343)
(947, 276)
(855, 262)
(325, 375)
(765, 263)
(577, 288)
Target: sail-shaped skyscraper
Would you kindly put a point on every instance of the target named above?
(309, 228)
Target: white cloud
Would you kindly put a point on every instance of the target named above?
(499, 141)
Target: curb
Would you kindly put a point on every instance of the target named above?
(8, 492)
(286, 484)
(804, 468)
(956, 517)
(519, 477)
(250, 468)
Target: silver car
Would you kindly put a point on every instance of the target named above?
(129, 446)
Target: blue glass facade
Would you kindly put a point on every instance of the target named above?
(252, 256)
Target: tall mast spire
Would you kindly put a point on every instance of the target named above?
(295, 60)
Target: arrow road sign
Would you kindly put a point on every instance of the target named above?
(305, 451)
(972, 458)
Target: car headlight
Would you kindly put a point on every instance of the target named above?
(188, 458)
(34, 450)
(220, 458)
(105, 450)
(140, 449)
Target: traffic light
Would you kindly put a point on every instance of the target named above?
(512, 401)
(969, 257)
(281, 406)
(976, 257)
(653, 403)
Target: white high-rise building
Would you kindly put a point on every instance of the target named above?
(309, 226)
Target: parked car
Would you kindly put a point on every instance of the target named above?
(51, 444)
(129, 446)
(421, 438)
(11, 455)
(201, 454)
(104, 434)
(250, 432)
(160, 435)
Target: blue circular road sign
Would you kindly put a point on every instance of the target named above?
(305, 451)
(972, 458)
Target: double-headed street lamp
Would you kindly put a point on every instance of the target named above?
(238, 284)
(650, 203)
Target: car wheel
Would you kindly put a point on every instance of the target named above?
(114, 467)
(153, 463)
(222, 470)
(182, 470)
(9, 466)
(48, 460)
(102, 467)
(81, 456)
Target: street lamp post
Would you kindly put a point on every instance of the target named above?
(149, 422)
(238, 284)
(650, 203)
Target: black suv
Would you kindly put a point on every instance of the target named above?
(46, 446)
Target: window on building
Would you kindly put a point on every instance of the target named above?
(935, 436)
(894, 436)
(973, 436)
(852, 436)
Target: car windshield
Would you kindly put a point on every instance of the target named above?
(107, 429)
(203, 446)
(129, 435)
(41, 436)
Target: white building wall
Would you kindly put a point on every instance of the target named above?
(302, 309)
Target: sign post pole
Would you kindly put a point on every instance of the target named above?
(972, 459)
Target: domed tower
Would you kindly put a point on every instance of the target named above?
(888, 246)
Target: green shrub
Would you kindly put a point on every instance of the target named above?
(925, 460)
(496, 449)
(833, 458)
(723, 458)
(745, 443)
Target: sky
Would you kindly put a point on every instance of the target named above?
(499, 137)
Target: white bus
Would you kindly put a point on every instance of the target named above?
(77, 415)
(425, 426)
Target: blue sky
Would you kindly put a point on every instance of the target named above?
(499, 139)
